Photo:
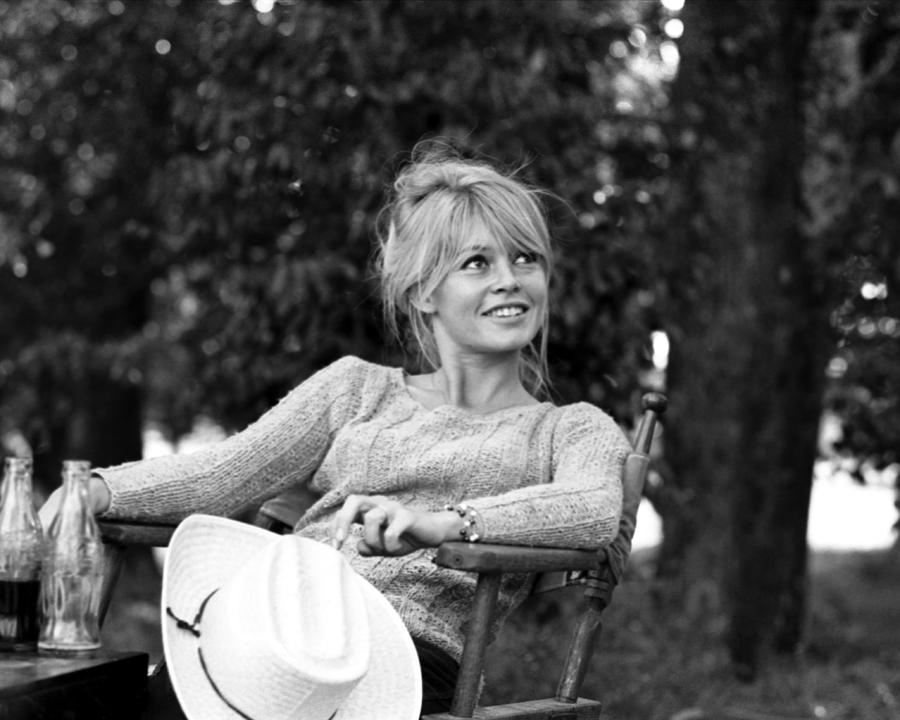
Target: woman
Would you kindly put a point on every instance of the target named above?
(402, 462)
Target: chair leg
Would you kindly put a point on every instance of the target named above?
(580, 650)
(113, 558)
(465, 697)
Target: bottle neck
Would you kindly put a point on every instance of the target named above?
(17, 474)
(74, 516)
(23, 483)
(74, 490)
(16, 493)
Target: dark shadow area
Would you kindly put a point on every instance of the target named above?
(660, 662)
(132, 622)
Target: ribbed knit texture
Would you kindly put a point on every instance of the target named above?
(538, 475)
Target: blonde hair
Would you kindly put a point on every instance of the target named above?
(437, 202)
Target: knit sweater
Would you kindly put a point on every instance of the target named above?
(540, 475)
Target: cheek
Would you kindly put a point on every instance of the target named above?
(440, 298)
(537, 288)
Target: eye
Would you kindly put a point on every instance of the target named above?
(475, 262)
(526, 258)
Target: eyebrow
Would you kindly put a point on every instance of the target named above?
(474, 248)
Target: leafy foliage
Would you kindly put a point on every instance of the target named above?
(193, 185)
(855, 192)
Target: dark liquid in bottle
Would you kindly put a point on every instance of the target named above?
(18, 613)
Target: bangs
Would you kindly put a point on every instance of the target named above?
(516, 223)
(515, 236)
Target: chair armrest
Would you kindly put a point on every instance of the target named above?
(282, 512)
(130, 532)
(484, 557)
(473, 557)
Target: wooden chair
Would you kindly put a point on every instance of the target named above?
(599, 572)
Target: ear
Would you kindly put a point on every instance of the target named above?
(422, 303)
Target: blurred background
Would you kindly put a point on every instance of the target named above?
(187, 196)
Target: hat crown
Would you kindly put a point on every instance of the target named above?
(317, 612)
(296, 618)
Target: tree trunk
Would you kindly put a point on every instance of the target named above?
(749, 350)
(104, 428)
(91, 409)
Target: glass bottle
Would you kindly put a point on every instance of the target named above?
(20, 558)
(72, 570)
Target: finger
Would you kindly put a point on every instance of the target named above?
(343, 518)
(374, 522)
(391, 535)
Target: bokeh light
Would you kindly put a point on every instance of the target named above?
(674, 28)
(660, 343)
(873, 290)
(618, 49)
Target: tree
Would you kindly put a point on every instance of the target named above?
(752, 336)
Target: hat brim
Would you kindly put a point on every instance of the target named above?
(203, 552)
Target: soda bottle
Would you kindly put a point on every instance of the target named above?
(72, 570)
(20, 558)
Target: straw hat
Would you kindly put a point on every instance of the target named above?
(265, 626)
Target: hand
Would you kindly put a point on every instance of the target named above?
(98, 499)
(50, 508)
(391, 528)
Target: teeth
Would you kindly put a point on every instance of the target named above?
(506, 311)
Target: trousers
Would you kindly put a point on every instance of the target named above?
(439, 673)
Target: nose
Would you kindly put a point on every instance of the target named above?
(505, 278)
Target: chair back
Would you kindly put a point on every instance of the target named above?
(615, 556)
(634, 477)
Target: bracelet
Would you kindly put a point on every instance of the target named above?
(470, 517)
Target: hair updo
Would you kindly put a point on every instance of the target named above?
(437, 202)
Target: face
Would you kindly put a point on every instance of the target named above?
(492, 301)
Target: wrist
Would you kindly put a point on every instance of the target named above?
(468, 527)
(451, 525)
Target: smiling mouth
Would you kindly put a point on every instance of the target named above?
(507, 311)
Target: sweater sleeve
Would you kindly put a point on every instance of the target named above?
(283, 447)
(581, 506)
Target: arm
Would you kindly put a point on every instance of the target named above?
(284, 446)
(581, 506)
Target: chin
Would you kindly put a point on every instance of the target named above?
(513, 345)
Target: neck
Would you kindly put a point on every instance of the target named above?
(481, 383)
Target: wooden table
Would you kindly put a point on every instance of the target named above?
(102, 686)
